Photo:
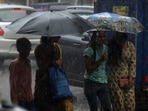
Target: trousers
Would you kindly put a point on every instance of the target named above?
(95, 91)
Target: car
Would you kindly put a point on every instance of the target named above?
(81, 7)
(8, 14)
(73, 60)
(82, 13)
(72, 45)
(81, 10)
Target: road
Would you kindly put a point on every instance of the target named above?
(80, 103)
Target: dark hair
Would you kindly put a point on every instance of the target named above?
(114, 49)
(119, 37)
(47, 44)
(46, 39)
(92, 43)
(23, 44)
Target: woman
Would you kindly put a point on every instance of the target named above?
(47, 54)
(122, 62)
(95, 79)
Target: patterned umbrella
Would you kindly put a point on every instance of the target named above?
(116, 22)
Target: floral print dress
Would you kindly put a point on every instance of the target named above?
(123, 100)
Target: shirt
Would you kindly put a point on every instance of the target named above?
(99, 75)
(20, 80)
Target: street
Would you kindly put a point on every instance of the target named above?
(80, 103)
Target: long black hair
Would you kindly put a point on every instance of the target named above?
(46, 40)
(92, 43)
(48, 50)
(114, 49)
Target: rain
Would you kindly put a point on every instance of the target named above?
(80, 103)
(133, 8)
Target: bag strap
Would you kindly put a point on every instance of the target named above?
(58, 49)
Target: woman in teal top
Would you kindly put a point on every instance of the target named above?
(95, 79)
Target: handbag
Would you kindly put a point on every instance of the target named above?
(58, 83)
(123, 82)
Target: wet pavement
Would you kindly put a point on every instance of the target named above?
(80, 103)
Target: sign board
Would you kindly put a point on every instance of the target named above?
(121, 10)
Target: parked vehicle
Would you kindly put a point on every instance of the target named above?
(81, 7)
(73, 60)
(81, 10)
(72, 45)
(8, 14)
(50, 6)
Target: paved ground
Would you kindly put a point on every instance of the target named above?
(80, 103)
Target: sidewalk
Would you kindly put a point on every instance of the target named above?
(80, 102)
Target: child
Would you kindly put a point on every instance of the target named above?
(20, 76)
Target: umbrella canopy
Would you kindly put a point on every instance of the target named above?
(106, 20)
(50, 24)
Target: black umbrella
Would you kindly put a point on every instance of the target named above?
(50, 24)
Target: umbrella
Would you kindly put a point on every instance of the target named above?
(50, 24)
(115, 22)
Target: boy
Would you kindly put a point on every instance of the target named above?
(20, 76)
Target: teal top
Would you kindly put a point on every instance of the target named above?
(98, 75)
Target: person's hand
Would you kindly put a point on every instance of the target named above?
(104, 57)
(58, 62)
(123, 82)
(131, 83)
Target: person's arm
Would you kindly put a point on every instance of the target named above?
(90, 67)
(13, 83)
(132, 61)
(132, 65)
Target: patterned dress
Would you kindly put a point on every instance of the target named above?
(123, 100)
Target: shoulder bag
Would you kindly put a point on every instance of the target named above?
(59, 83)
